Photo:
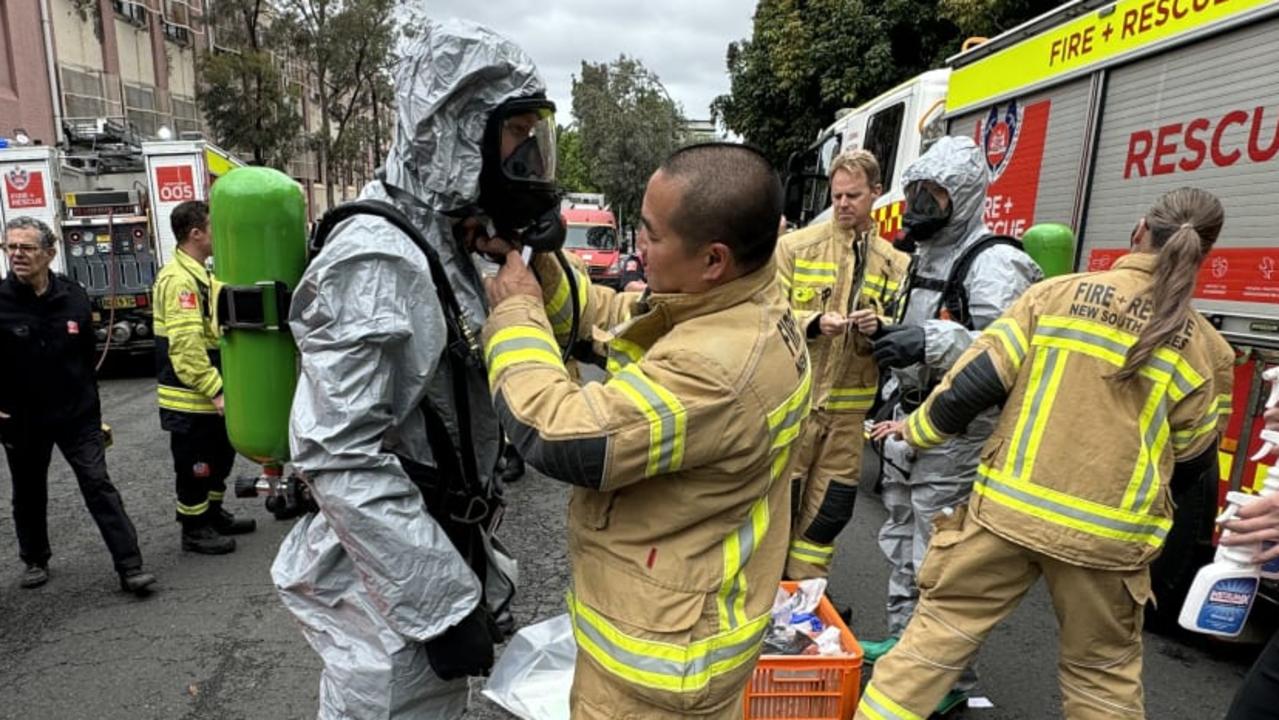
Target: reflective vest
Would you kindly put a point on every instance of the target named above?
(186, 343)
(678, 525)
(1079, 464)
(818, 268)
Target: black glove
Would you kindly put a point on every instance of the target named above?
(899, 346)
(466, 649)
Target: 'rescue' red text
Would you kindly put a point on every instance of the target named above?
(1221, 141)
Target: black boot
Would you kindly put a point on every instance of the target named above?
(136, 581)
(224, 523)
(203, 539)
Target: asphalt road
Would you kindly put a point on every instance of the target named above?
(214, 642)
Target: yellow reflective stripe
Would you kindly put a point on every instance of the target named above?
(1110, 345)
(812, 553)
(785, 421)
(879, 706)
(622, 352)
(922, 430)
(1066, 510)
(661, 665)
(817, 266)
(739, 546)
(559, 310)
(1212, 418)
(851, 398)
(520, 344)
(1012, 338)
(785, 281)
(667, 418)
(1045, 378)
(1152, 428)
(184, 400)
(1225, 406)
(193, 509)
(216, 496)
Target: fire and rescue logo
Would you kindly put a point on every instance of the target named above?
(186, 300)
(24, 188)
(999, 137)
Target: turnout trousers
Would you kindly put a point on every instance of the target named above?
(202, 461)
(823, 489)
(599, 695)
(971, 579)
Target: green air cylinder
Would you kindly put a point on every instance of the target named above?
(1052, 246)
(258, 217)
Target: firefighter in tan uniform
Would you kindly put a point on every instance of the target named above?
(189, 386)
(679, 519)
(1113, 391)
(840, 276)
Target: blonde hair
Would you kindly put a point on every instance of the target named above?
(857, 160)
(1183, 223)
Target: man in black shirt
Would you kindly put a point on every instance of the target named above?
(49, 396)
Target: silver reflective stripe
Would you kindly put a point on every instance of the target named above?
(1152, 434)
(1083, 336)
(521, 343)
(672, 668)
(666, 416)
(1182, 382)
(1052, 357)
(730, 600)
(1075, 512)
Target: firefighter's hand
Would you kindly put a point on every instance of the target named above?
(466, 649)
(1255, 522)
(865, 320)
(635, 286)
(513, 279)
(832, 324)
(886, 429)
(219, 402)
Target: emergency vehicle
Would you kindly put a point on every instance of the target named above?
(31, 187)
(898, 126)
(178, 171)
(592, 236)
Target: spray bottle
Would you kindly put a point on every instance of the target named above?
(1223, 592)
(1270, 485)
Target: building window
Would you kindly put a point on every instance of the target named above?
(140, 109)
(186, 117)
(132, 11)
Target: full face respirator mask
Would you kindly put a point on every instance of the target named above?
(924, 216)
(517, 181)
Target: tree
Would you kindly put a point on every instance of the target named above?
(988, 18)
(628, 124)
(346, 44)
(808, 58)
(573, 169)
(243, 95)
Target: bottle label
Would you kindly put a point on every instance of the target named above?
(1227, 606)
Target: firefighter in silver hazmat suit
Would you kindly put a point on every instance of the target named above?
(946, 193)
(383, 596)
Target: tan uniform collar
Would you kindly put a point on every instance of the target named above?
(676, 308)
(1139, 261)
(845, 238)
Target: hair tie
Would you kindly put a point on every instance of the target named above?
(1187, 226)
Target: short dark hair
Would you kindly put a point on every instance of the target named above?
(190, 215)
(731, 195)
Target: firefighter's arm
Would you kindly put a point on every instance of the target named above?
(996, 278)
(598, 306)
(1197, 420)
(185, 326)
(981, 378)
(602, 436)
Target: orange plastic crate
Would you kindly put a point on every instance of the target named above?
(807, 687)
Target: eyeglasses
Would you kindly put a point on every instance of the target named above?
(15, 249)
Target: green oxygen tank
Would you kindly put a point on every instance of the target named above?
(258, 217)
(1052, 245)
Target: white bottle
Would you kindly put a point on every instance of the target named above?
(1270, 486)
(1221, 596)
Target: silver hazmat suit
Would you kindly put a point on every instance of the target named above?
(919, 484)
(372, 576)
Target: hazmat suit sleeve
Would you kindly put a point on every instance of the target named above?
(602, 436)
(980, 379)
(997, 277)
(370, 332)
(184, 322)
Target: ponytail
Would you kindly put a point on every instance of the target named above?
(1183, 224)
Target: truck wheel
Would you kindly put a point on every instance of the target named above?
(1188, 548)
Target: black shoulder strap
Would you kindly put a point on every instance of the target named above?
(955, 294)
(462, 346)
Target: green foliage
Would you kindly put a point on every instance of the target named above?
(808, 58)
(628, 124)
(245, 100)
(988, 18)
(573, 168)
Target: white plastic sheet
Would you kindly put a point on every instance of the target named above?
(533, 677)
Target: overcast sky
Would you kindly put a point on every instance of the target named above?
(683, 41)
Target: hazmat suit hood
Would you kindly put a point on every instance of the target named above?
(449, 82)
(958, 165)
